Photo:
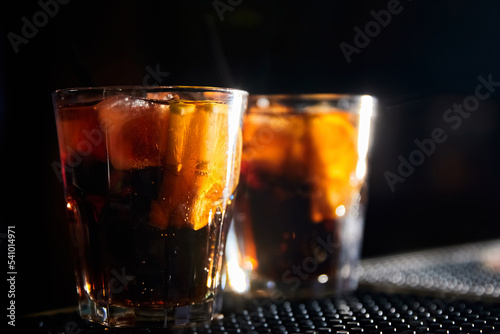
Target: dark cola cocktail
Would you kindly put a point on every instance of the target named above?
(149, 177)
(299, 223)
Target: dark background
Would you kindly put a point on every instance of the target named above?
(426, 59)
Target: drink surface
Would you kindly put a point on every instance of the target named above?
(297, 183)
(147, 187)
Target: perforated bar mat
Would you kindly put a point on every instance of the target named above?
(471, 270)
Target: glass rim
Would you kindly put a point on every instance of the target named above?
(151, 88)
(356, 102)
(311, 96)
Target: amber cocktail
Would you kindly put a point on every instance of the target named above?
(299, 216)
(149, 175)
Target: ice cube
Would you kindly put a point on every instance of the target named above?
(263, 105)
(276, 144)
(264, 143)
(81, 133)
(164, 96)
(135, 129)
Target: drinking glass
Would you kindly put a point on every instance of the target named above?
(149, 175)
(299, 218)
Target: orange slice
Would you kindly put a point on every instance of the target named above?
(196, 163)
(175, 186)
(209, 153)
(333, 157)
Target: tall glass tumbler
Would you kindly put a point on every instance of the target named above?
(149, 176)
(299, 218)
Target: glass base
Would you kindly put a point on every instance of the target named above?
(282, 292)
(343, 282)
(163, 317)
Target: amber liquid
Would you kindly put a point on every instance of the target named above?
(125, 255)
(295, 192)
(280, 232)
(124, 260)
